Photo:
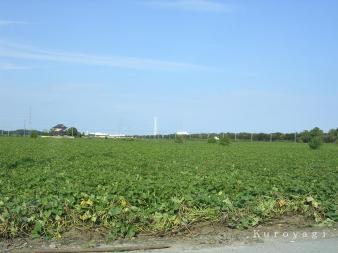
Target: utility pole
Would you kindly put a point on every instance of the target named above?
(30, 118)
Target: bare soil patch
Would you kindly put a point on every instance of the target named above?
(200, 235)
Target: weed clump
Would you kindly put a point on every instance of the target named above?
(179, 139)
(212, 140)
(34, 135)
(315, 142)
(224, 140)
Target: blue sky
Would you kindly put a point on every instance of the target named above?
(197, 65)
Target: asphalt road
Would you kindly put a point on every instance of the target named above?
(326, 245)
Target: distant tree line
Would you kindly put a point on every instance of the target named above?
(304, 136)
(72, 131)
(21, 132)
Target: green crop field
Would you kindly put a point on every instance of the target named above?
(122, 188)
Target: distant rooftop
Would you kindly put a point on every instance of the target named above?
(60, 126)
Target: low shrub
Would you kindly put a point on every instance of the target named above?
(34, 135)
(315, 142)
(179, 139)
(212, 140)
(224, 140)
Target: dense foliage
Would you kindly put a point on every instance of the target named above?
(34, 135)
(224, 140)
(330, 137)
(212, 140)
(49, 186)
(179, 139)
(72, 131)
(315, 142)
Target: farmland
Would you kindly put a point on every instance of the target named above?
(122, 188)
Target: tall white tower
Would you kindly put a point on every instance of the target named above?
(30, 117)
(155, 126)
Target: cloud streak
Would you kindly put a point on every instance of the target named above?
(35, 54)
(191, 5)
(11, 66)
(11, 22)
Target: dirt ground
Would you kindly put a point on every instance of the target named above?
(202, 235)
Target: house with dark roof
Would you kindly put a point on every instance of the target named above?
(59, 129)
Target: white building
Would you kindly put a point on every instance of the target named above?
(117, 136)
(98, 135)
(182, 133)
(105, 135)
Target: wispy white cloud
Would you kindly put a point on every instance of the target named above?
(62, 88)
(11, 66)
(11, 22)
(192, 5)
(35, 54)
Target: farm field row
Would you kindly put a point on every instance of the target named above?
(122, 188)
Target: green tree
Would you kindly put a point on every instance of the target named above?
(316, 138)
(316, 132)
(315, 142)
(305, 136)
(332, 135)
(72, 131)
